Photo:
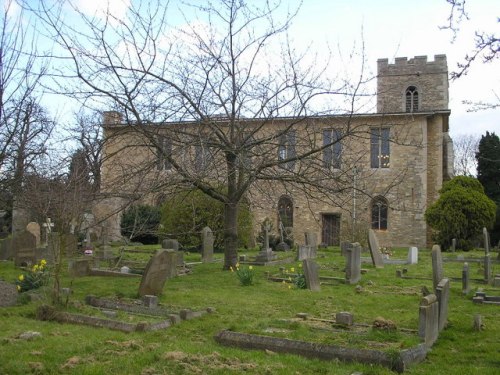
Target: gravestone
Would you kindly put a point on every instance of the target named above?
(53, 249)
(377, 259)
(443, 297)
(487, 268)
(465, 279)
(486, 237)
(453, 245)
(311, 239)
(437, 266)
(34, 229)
(310, 269)
(70, 242)
(160, 267)
(305, 252)
(413, 255)
(344, 318)
(48, 225)
(6, 252)
(170, 244)
(353, 264)
(428, 323)
(79, 267)
(24, 249)
(207, 245)
(266, 254)
(343, 247)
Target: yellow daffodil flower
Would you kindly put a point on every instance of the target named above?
(292, 269)
(21, 277)
(250, 267)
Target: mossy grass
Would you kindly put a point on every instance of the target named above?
(264, 308)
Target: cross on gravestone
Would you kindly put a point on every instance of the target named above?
(207, 246)
(311, 275)
(377, 260)
(437, 266)
(48, 225)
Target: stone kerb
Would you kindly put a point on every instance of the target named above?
(428, 324)
(437, 266)
(443, 297)
(373, 243)
(311, 275)
(160, 267)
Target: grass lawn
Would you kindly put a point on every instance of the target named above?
(264, 308)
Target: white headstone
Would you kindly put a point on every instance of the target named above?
(413, 255)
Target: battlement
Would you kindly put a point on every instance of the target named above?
(420, 61)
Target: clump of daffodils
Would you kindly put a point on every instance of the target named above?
(34, 278)
(244, 274)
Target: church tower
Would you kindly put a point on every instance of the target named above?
(412, 85)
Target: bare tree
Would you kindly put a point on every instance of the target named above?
(465, 147)
(225, 103)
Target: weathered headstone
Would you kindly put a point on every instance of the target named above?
(413, 255)
(353, 264)
(465, 279)
(437, 266)
(6, 249)
(443, 296)
(453, 245)
(79, 267)
(34, 229)
(207, 246)
(486, 237)
(487, 268)
(311, 274)
(24, 248)
(428, 324)
(305, 252)
(377, 259)
(160, 267)
(343, 246)
(170, 244)
(311, 239)
(54, 247)
(344, 318)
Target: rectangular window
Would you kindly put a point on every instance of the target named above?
(379, 148)
(163, 153)
(332, 153)
(286, 149)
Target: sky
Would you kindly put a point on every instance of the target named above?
(389, 29)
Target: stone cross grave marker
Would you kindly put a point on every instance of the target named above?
(465, 279)
(311, 274)
(443, 296)
(207, 247)
(486, 236)
(160, 267)
(48, 225)
(24, 248)
(437, 266)
(34, 228)
(377, 260)
(353, 263)
(413, 255)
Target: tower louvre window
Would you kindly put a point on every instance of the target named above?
(411, 97)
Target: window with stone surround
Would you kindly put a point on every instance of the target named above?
(411, 99)
(332, 153)
(285, 212)
(286, 149)
(379, 147)
(164, 150)
(379, 208)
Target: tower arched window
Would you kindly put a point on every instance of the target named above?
(285, 211)
(379, 210)
(411, 99)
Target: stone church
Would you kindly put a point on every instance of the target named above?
(379, 170)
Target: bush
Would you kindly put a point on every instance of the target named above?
(244, 274)
(461, 212)
(186, 214)
(140, 223)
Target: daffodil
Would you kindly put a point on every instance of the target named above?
(292, 269)
(231, 268)
(250, 267)
(300, 265)
(21, 277)
(19, 288)
(35, 268)
(43, 262)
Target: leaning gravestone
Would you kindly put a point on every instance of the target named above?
(353, 263)
(305, 252)
(34, 229)
(311, 274)
(377, 260)
(207, 245)
(437, 266)
(160, 267)
(24, 249)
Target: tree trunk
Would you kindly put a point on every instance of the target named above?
(230, 235)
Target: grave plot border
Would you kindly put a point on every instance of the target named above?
(398, 362)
